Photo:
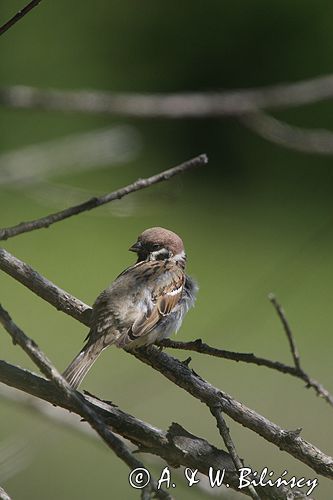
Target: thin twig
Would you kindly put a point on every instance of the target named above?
(46, 367)
(225, 434)
(46, 221)
(172, 105)
(203, 348)
(18, 16)
(287, 329)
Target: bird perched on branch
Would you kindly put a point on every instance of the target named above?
(146, 303)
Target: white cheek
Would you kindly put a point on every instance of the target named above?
(180, 256)
(176, 291)
(158, 253)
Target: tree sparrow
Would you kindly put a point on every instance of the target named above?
(146, 303)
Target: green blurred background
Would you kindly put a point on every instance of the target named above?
(257, 219)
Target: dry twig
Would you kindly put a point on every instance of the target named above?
(287, 329)
(203, 348)
(46, 221)
(18, 16)
(225, 434)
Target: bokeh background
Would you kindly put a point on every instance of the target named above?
(257, 219)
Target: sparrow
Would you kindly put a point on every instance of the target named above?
(146, 303)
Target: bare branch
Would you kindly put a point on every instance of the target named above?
(44, 288)
(203, 348)
(318, 141)
(32, 349)
(191, 382)
(180, 374)
(18, 16)
(176, 446)
(46, 221)
(287, 329)
(172, 105)
(225, 434)
(243, 103)
(68, 393)
(65, 302)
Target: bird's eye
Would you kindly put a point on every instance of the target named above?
(156, 246)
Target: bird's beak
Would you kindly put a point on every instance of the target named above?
(137, 247)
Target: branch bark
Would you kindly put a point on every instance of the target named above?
(18, 16)
(184, 377)
(69, 394)
(176, 446)
(225, 434)
(247, 357)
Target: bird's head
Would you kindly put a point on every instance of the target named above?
(158, 243)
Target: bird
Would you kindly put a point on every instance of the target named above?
(144, 304)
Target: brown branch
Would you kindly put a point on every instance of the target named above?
(225, 434)
(203, 348)
(46, 221)
(176, 446)
(18, 16)
(44, 288)
(172, 105)
(182, 376)
(68, 393)
(65, 302)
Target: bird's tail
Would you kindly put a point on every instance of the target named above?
(81, 364)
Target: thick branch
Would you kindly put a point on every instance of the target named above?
(44, 288)
(46, 221)
(177, 105)
(68, 393)
(184, 377)
(181, 375)
(176, 446)
(18, 16)
(65, 302)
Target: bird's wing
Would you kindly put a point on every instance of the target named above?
(151, 290)
(169, 282)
